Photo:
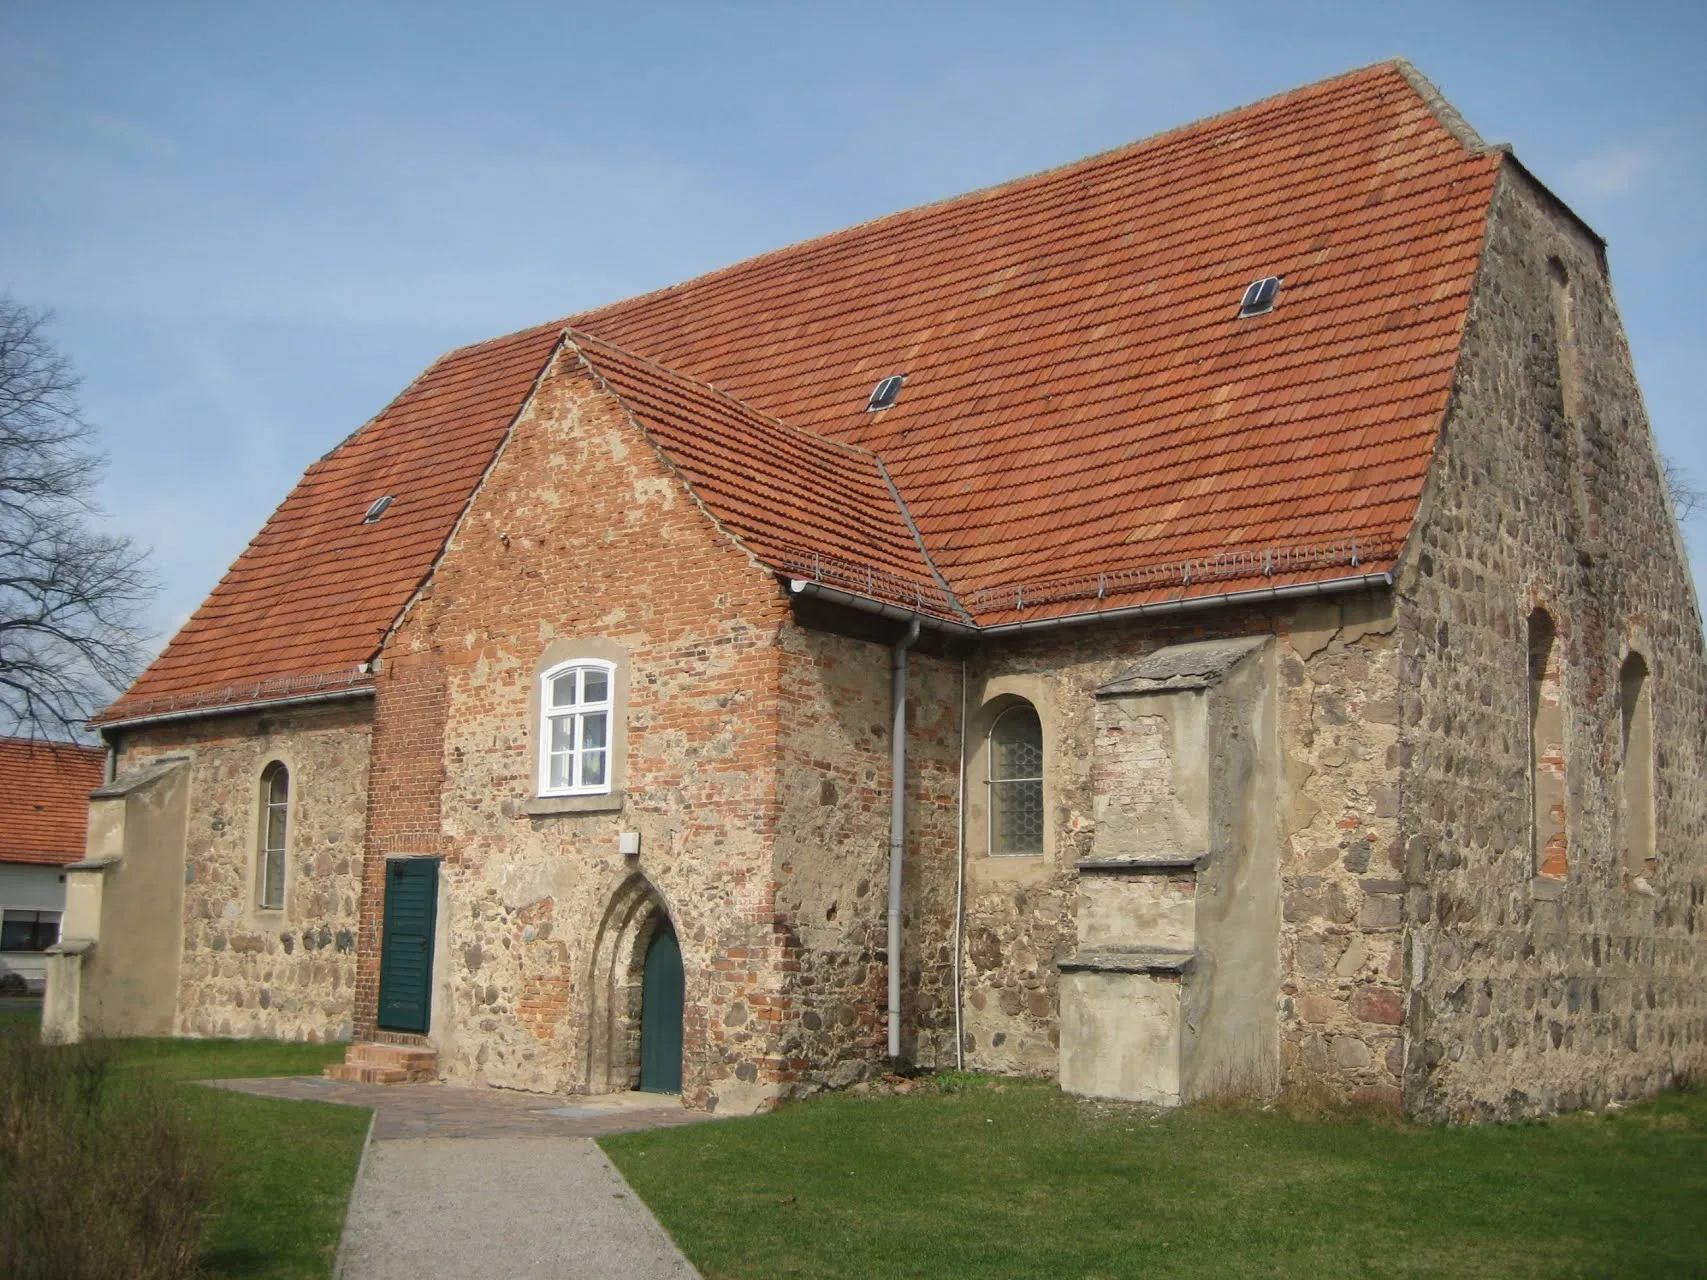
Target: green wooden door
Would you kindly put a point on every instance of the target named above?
(661, 1015)
(406, 948)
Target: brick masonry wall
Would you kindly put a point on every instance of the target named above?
(1525, 993)
(245, 971)
(1339, 1002)
(581, 533)
(405, 789)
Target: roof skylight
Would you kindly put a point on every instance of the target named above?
(886, 393)
(377, 509)
(1259, 297)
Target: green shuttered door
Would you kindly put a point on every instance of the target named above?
(406, 952)
(661, 993)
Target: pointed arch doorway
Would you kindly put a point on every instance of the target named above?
(662, 986)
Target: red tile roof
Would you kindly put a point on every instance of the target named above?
(1081, 395)
(44, 799)
(310, 599)
(1086, 422)
(795, 499)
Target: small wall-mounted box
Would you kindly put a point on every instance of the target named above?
(628, 843)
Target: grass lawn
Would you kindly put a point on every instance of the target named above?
(1021, 1180)
(285, 1168)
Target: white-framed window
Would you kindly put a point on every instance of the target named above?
(575, 704)
(275, 812)
(1016, 781)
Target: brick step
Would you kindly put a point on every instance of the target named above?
(390, 1055)
(372, 1063)
(366, 1075)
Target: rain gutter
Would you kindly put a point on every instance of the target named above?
(1253, 595)
(235, 708)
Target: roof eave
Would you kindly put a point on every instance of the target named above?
(1292, 591)
(235, 708)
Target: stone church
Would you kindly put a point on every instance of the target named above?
(1206, 617)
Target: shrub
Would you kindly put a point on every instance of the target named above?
(101, 1172)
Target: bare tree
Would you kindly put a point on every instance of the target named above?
(1688, 498)
(70, 595)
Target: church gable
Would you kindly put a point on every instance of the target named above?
(524, 789)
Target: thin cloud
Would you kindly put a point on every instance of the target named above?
(1616, 171)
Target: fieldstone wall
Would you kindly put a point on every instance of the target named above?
(1340, 1003)
(246, 971)
(1531, 992)
(1341, 964)
(832, 854)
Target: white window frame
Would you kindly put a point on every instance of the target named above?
(267, 852)
(579, 712)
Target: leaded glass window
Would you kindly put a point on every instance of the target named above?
(1016, 781)
(275, 812)
(575, 712)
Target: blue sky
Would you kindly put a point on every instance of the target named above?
(258, 222)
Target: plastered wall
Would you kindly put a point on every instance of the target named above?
(124, 898)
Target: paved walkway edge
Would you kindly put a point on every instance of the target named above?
(645, 1208)
(350, 1204)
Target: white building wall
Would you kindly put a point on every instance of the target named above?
(29, 887)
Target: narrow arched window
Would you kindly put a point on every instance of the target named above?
(1636, 767)
(1550, 839)
(1565, 337)
(575, 725)
(1016, 781)
(275, 813)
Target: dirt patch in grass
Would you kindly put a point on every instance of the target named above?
(972, 1177)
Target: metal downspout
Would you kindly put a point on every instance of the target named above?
(960, 875)
(897, 823)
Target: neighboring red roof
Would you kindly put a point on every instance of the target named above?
(1085, 424)
(44, 799)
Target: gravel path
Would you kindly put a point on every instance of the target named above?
(501, 1208)
(491, 1184)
